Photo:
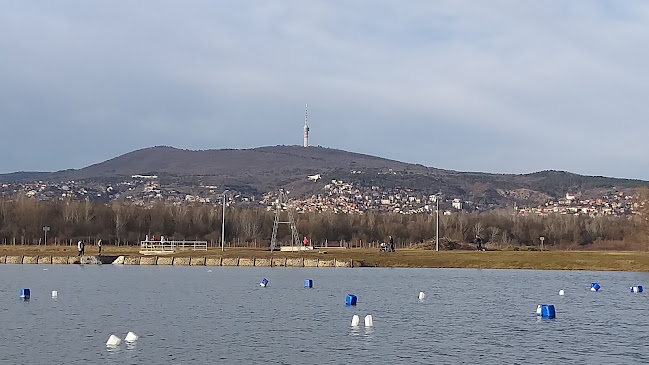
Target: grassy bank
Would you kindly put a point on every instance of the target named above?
(548, 260)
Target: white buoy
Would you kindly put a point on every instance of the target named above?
(368, 321)
(55, 293)
(422, 295)
(113, 341)
(561, 292)
(209, 270)
(131, 337)
(45, 269)
(355, 320)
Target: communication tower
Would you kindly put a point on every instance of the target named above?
(306, 125)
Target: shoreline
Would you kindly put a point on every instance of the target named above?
(176, 261)
(635, 261)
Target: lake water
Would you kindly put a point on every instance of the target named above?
(187, 315)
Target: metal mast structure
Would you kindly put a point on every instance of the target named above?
(306, 125)
(282, 201)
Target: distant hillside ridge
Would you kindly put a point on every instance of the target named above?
(263, 169)
(169, 160)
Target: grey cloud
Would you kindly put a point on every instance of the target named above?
(503, 86)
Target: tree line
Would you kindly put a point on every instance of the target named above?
(22, 219)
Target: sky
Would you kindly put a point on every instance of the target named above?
(501, 86)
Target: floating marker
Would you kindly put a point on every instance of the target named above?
(594, 287)
(350, 300)
(45, 269)
(263, 283)
(113, 341)
(422, 295)
(355, 320)
(561, 292)
(131, 337)
(308, 283)
(209, 270)
(24, 294)
(636, 289)
(368, 321)
(545, 311)
(55, 294)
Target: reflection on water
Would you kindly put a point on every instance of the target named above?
(192, 316)
(113, 349)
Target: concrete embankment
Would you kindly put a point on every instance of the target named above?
(179, 261)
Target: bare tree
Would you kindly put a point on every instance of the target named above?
(477, 229)
(494, 234)
(122, 213)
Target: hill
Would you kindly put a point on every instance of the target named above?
(259, 170)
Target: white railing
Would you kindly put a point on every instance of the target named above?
(172, 246)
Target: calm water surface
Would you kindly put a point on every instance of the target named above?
(187, 315)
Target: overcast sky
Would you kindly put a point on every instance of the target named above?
(495, 86)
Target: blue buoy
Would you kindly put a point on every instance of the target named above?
(24, 293)
(636, 289)
(350, 300)
(264, 282)
(594, 286)
(308, 283)
(545, 311)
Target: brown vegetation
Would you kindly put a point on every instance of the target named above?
(22, 220)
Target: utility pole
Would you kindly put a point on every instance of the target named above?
(437, 223)
(223, 224)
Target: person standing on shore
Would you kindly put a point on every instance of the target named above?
(99, 246)
(79, 247)
(478, 243)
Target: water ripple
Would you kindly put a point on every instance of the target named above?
(184, 316)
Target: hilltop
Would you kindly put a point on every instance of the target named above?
(260, 170)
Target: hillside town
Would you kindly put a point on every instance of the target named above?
(336, 196)
(615, 204)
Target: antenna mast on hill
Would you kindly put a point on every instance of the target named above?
(306, 125)
(282, 201)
